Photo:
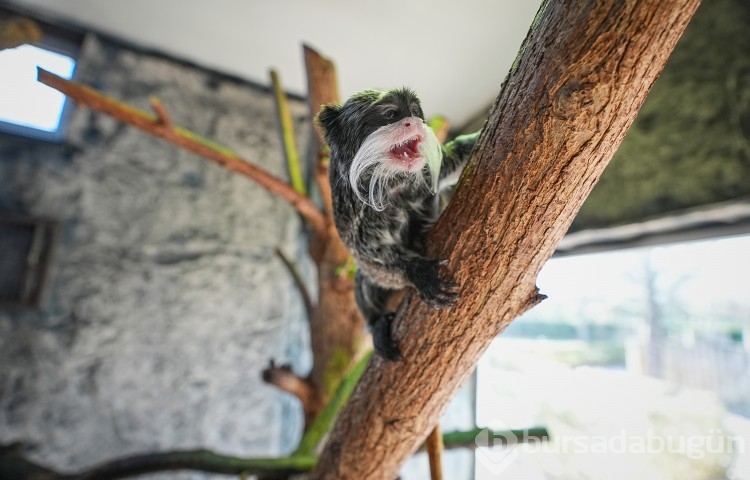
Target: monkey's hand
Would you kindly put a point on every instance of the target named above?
(437, 293)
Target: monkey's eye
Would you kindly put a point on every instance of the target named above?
(390, 113)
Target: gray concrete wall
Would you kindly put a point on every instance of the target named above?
(166, 298)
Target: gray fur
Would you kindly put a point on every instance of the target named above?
(388, 243)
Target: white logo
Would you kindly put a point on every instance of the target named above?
(496, 447)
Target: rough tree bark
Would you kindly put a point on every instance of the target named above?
(583, 72)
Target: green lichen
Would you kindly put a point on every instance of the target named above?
(690, 144)
(324, 421)
(347, 269)
(338, 364)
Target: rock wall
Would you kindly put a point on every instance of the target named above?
(166, 298)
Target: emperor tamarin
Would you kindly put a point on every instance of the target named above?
(386, 168)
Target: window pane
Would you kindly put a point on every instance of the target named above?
(638, 364)
(23, 100)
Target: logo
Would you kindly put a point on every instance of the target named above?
(496, 447)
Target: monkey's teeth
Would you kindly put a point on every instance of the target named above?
(407, 149)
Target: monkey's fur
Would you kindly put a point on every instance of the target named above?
(386, 168)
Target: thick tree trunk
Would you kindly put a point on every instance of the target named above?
(582, 74)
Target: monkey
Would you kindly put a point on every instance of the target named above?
(386, 168)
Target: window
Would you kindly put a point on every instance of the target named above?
(638, 364)
(27, 107)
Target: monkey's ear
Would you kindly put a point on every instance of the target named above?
(328, 116)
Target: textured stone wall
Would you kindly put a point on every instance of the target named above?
(166, 298)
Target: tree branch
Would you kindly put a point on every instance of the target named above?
(582, 74)
(322, 89)
(299, 283)
(14, 465)
(322, 423)
(337, 332)
(286, 129)
(283, 378)
(434, 446)
(162, 117)
(479, 437)
(187, 140)
(18, 467)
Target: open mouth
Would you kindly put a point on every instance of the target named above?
(407, 150)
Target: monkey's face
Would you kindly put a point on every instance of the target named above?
(379, 140)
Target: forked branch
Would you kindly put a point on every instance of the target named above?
(160, 125)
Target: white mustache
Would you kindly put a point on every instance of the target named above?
(374, 156)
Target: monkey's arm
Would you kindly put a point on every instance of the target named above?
(418, 271)
(373, 299)
(455, 155)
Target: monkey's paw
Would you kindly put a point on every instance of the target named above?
(382, 337)
(434, 292)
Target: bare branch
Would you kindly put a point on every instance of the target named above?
(286, 127)
(283, 378)
(299, 283)
(337, 332)
(17, 466)
(198, 460)
(480, 437)
(434, 446)
(322, 90)
(161, 113)
(322, 85)
(189, 141)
